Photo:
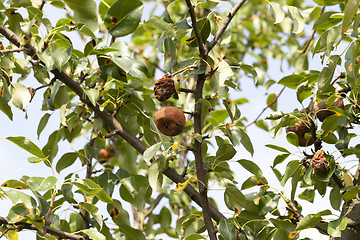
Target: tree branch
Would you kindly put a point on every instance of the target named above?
(224, 25)
(202, 182)
(202, 50)
(53, 231)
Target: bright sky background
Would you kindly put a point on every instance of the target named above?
(15, 164)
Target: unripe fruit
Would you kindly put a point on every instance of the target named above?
(300, 129)
(321, 111)
(164, 88)
(170, 121)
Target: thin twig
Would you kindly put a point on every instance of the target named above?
(154, 204)
(42, 5)
(202, 50)
(20, 49)
(269, 105)
(224, 25)
(298, 216)
(184, 69)
(86, 215)
(186, 90)
(312, 36)
(50, 230)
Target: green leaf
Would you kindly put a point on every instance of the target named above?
(42, 124)
(303, 91)
(41, 184)
(328, 2)
(234, 197)
(99, 192)
(277, 11)
(94, 211)
(297, 18)
(85, 11)
(226, 152)
(311, 220)
(94, 234)
(291, 81)
(308, 195)
(27, 145)
(204, 28)
(12, 183)
(290, 170)
(143, 191)
(325, 22)
(280, 158)
(335, 198)
(327, 73)
(169, 54)
(123, 17)
(251, 167)
(246, 142)
(5, 108)
(194, 236)
(335, 227)
(66, 160)
(61, 56)
(51, 148)
(132, 67)
(155, 173)
(292, 138)
(151, 151)
(281, 149)
(131, 233)
(349, 13)
(20, 95)
(250, 70)
(93, 94)
(227, 229)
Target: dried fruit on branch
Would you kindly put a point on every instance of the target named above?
(319, 162)
(300, 129)
(164, 88)
(170, 121)
(321, 110)
(105, 154)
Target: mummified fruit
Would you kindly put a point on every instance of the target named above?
(319, 162)
(170, 121)
(321, 110)
(105, 154)
(164, 88)
(300, 129)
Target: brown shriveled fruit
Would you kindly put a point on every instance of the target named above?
(170, 121)
(300, 129)
(319, 162)
(164, 88)
(321, 110)
(105, 154)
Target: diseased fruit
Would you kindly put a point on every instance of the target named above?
(170, 121)
(164, 88)
(321, 110)
(105, 154)
(300, 129)
(319, 162)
